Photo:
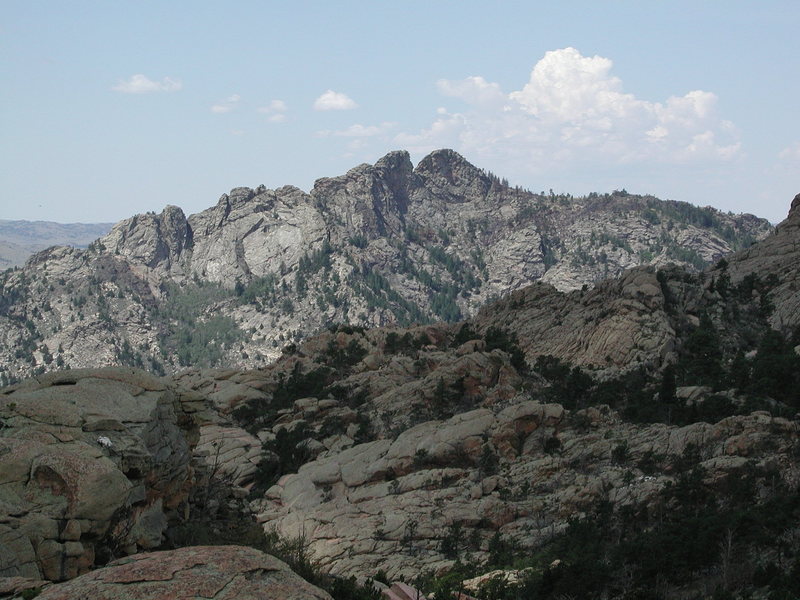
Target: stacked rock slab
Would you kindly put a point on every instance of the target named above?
(388, 504)
(91, 464)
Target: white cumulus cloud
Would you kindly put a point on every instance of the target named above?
(140, 84)
(331, 100)
(226, 105)
(572, 110)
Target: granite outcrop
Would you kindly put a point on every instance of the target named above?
(94, 465)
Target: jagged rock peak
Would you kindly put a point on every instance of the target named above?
(151, 238)
(174, 220)
(447, 163)
(395, 166)
(396, 160)
(794, 211)
(384, 244)
(237, 194)
(450, 177)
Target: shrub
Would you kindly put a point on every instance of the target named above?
(497, 338)
(620, 453)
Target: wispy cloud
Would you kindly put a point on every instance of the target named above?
(574, 111)
(140, 84)
(359, 131)
(230, 103)
(790, 154)
(274, 106)
(275, 110)
(331, 100)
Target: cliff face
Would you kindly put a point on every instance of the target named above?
(384, 244)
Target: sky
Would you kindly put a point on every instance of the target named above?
(109, 109)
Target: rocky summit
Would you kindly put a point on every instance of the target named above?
(636, 438)
(388, 244)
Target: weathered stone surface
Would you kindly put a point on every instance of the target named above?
(150, 239)
(387, 504)
(229, 453)
(218, 572)
(91, 460)
(618, 322)
(13, 587)
(414, 433)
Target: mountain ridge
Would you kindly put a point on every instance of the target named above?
(383, 244)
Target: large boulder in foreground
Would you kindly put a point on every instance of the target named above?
(92, 463)
(218, 572)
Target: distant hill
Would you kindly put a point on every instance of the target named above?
(20, 239)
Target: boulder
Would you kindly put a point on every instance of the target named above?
(92, 463)
(218, 572)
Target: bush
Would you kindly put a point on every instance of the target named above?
(620, 453)
(499, 339)
(465, 334)
(488, 462)
(341, 358)
(291, 452)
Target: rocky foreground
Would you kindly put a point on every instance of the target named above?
(100, 465)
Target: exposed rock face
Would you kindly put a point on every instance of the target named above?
(461, 442)
(385, 447)
(218, 572)
(777, 255)
(513, 465)
(152, 240)
(620, 322)
(384, 244)
(230, 453)
(92, 463)
(247, 235)
(496, 459)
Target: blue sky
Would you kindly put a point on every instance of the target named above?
(114, 108)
